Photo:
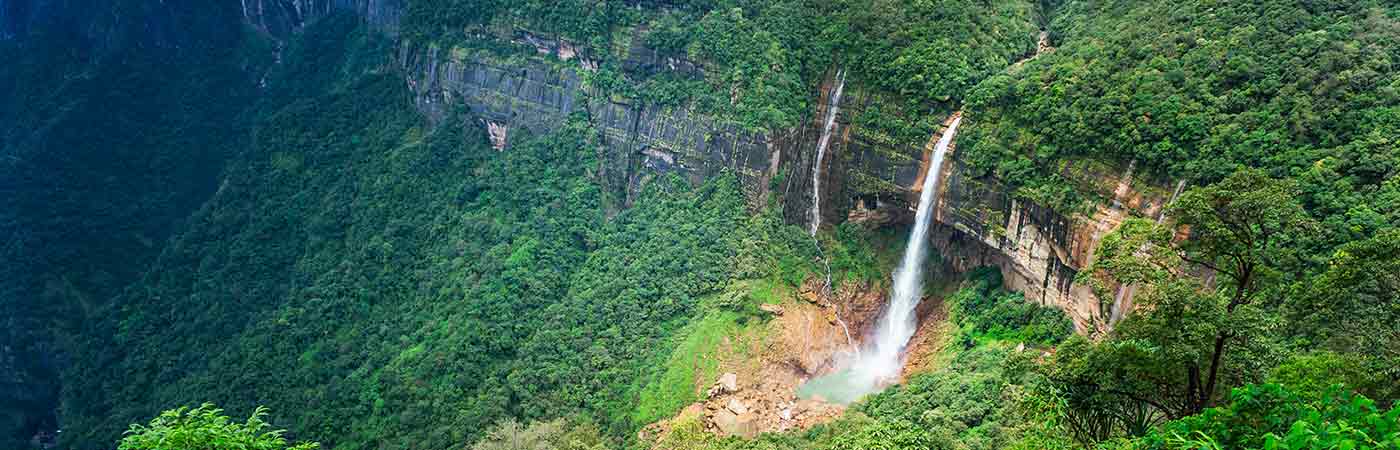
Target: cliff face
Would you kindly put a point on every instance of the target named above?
(1039, 250)
(864, 177)
(641, 141)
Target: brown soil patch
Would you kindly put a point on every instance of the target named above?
(803, 340)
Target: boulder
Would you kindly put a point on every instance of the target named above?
(737, 407)
(730, 424)
(727, 422)
(771, 309)
(727, 383)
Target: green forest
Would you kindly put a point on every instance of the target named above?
(213, 236)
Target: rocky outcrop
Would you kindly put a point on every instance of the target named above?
(539, 95)
(1039, 250)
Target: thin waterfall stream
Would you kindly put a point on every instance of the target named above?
(833, 106)
(882, 360)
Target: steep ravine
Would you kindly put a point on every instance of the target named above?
(979, 221)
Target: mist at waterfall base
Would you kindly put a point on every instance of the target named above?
(869, 369)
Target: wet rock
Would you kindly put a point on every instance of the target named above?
(497, 132)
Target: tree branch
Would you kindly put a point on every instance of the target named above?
(1133, 397)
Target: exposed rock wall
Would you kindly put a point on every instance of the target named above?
(642, 141)
(1039, 250)
(861, 165)
(867, 175)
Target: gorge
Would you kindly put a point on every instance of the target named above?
(689, 224)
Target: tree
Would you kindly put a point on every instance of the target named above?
(557, 434)
(1353, 306)
(207, 428)
(1238, 228)
(1167, 361)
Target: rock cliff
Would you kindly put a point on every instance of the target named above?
(535, 96)
(866, 176)
(1039, 250)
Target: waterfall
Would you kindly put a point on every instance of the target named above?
(833, 105)
(1162, 215)
(897, 325)
(849, 342)
(882, 361)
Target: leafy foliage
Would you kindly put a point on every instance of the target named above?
(1197, 89)
(985, 310)
(558, 434)
(392, 285)
(109, 138)
(206, 428)
(760, 60)
(1271, 417)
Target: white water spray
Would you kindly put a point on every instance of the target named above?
(833, 105)
(883, 359)
(898, 323)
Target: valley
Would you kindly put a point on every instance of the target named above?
(700, 225)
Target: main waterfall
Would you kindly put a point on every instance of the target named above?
(882, 360)
(833, 105)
